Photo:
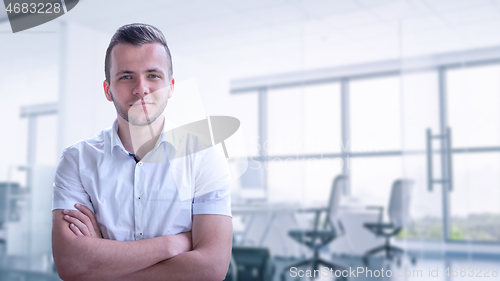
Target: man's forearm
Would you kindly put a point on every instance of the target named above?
(192, 265)
(88, 258)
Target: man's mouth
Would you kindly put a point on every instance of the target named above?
(141, 104)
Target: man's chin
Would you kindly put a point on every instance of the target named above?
(140, 122)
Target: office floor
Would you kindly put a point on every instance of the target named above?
(424, 269)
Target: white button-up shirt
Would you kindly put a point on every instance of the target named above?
(136, 200)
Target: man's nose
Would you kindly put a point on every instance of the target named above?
(141, 87)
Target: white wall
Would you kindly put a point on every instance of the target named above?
(84, 110)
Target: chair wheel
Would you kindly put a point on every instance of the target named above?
(283, 276)
(413, 260)
(366, 261)
(398, 262)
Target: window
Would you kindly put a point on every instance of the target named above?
(475, 199)
(304, 120)
(245, 107)
(388, 120)
(372, 178)
(375, 114)
(474, 117)
(473, 105)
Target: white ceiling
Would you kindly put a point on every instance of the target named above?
(319, 33)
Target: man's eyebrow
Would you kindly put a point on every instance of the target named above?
(124, 72)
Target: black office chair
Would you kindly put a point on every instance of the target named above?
(398, 211)
(250, 264)
(232, 271)
(321, 236)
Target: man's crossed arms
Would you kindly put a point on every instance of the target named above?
(80, 252)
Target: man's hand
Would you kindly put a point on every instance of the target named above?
(82, 222)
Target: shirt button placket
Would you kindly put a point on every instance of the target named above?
(137, 205)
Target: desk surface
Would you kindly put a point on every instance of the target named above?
(288, 207)
(263, 208)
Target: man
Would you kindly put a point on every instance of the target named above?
(132, 220)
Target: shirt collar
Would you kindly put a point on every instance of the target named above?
(167, 125)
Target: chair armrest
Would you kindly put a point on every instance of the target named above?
(317, 215)
(312, 210)
(381, 212)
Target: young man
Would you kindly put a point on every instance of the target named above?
(131, 220)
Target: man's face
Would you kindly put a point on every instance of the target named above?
(139, 83)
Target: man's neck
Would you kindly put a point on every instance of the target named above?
(139, 140)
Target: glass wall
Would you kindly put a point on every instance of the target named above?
(304, 128)
(474, 116)
(388, 120)
(419, 113)
(375, 129)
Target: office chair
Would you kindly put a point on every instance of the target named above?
(398, 211)
(232, 271)
(319, 237)
(250, 264)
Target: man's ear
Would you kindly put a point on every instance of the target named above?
(171, 88)
(106, 91)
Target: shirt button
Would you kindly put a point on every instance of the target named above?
(139, 197)
(140, 163)
(140, 233)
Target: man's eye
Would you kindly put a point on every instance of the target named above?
(154, 76)
(125, 77)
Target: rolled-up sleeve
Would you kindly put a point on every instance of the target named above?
(212, 184)
(67, 188)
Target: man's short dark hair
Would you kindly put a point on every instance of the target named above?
(136, 34)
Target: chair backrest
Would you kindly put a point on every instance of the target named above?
(399, 204)
(335, 195)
